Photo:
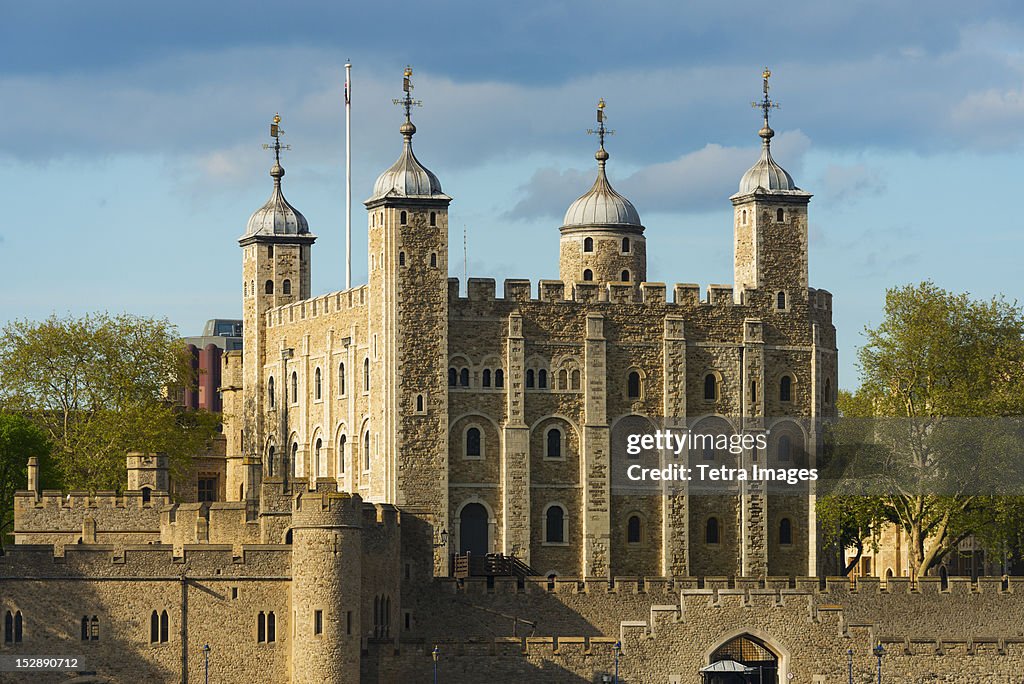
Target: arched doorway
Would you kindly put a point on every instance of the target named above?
(742, 660)
(473, 529)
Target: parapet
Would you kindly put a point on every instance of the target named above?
(325, 506)
(330, 303)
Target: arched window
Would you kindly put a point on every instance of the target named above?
(624, 277)
(286, 287)
(464, 377)
(261, 627)
(753, 391)
(786, 388)
(9, 627)
(366, 375)
(633, 385)
(588, 275)
(433, 260)
(473, 443)
(295, 388)
(828, 392)
(499, 378)
(487, 377)
(711, 532)
(453, 377)
(633, 530)
(85, 627)
(296, 461)
(563, 379)
(419, 403)
(366, 451)
(164, 627)
(270, 250)
(94, 628)
(743, 217)
(270, 392)
(342, 443)
(554, 443)
(401, 258)
(341, 378)
(403, 218)
(268, 287)
(317, 385)
(529, 377)
(154, 628)
(147, 494)
(270, 462)
(321, 463)
(542, 379)
(588, 244)
(785, 448)
(625, 245)
(575, 380)
(785, 532)
(433, 218)
(780, 300)
(554, 525)
(710, 387)
(271, 627)
(780, 215)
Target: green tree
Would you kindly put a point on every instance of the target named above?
(931, 437)
(19, 440)
(97, 387)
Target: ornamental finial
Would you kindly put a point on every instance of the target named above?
(601, 132)
(765, 105)
(276, 132)
(407, 129)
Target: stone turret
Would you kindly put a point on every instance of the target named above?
(148, 471)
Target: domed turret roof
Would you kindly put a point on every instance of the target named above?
(601, 205)
(277, 216)
(407, 177)
(766, 174)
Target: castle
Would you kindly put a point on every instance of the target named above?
(378, 436)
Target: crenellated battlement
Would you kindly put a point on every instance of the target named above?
(325, 304)
(52, 499)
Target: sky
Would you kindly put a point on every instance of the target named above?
(131, 156)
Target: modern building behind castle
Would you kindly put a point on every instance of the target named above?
(375, 433)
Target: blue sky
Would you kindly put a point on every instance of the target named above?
(131, 153)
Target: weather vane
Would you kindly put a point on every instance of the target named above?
(407, 86)
(600, 131)
(276, 132)
(766, 104)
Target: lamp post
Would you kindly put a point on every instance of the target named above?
(849, 663)
(443, 539)
(206, 663)
(618, 651)
(879, 652)
(436, 653)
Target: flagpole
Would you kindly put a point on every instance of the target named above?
(348, 175)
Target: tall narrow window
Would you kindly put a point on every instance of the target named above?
(633, 385)
(18, 627)
(94, 628)
(341, 378)
(633, 530)
(261, 627)
(321, 463)
(710, 387)
(433, 218)
(270, 461)
(786, 388)
(780, 300)
(464, 377)
(588, 244)
(453, 377)
(554, 525)
(433, 260)
(268, 287)
(9, 627)
(563, 379)
(575, 380)
(499, 378)
(164, 627)
(554, 443)
(317, 385)
(419, 403)
(711, 532)
(529, 378)
(366, 375)
(270, 392)
(295, 388)
(270, 250)
(296, 461)
(366, 451)
(625, 276)
(785, 532)
(286, 287)
(588, 275)
(318, 622)
(403, 218)
(401, 258)
(473, 439)
(271, 627)
(486, 378)
(828, 392)
(85, 627)
(342, 443)
(154, 628)
(780, 215)
(625, 245)
(542, 379)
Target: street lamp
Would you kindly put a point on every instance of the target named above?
(206, 661)
(849, 663)
(879, 652)
(436, 653)
(443, 539)
(618, 652)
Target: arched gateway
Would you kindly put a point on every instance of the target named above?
(744, 659)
